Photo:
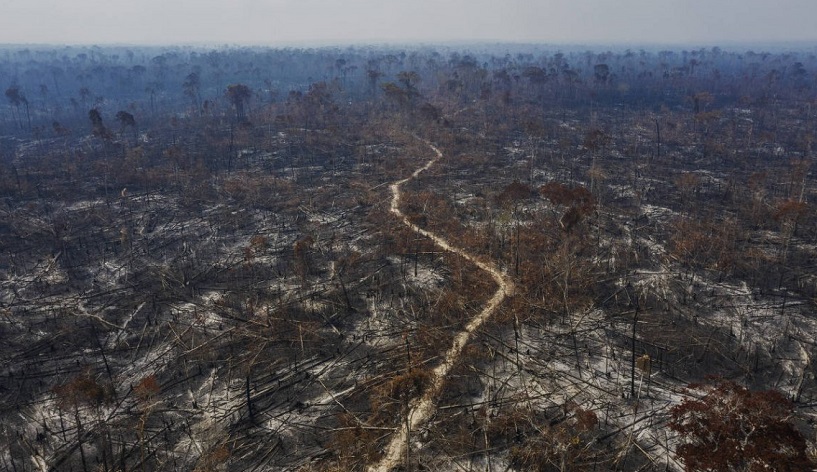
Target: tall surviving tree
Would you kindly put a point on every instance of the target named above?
(410, 79)
(125, 120)
(16, 97)
(601, 73)
(44, 96)
(239, 95)
(97, 126)
(537, 77)
(395, 94)
(192, 89)
(373, 76)
(84, 94)
(512, 198)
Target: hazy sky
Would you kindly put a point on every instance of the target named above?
(265, 22)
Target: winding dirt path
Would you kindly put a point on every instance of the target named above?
(423, 408)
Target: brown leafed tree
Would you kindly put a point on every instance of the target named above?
(579, 200)
(731, 428)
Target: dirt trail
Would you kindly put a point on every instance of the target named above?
(421, 409)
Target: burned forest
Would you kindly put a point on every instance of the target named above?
(483, 258)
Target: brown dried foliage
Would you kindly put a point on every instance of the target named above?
(147, 388)
(81, 389)
(732, 428)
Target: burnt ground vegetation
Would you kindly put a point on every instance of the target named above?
(199, 269)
